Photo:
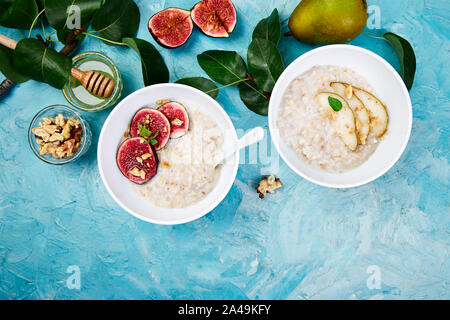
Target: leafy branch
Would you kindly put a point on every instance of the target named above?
(405, 54)
(228, 68)
(115, 22)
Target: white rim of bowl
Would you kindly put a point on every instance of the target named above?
(213, 204)
(273, 109)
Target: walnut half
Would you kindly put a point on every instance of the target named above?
(268, 185)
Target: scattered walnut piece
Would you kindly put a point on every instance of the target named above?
(162, 101)
(177, 122)
(46, 120)
(66, 131)
(76, 134)
(268, 184)
(138, 172)
(41, 133)
(59, 137)
(46, 149)
(39, 141)
(56, 137)
(145, 156)
(59, 120)
(165, 164)
(73, 122)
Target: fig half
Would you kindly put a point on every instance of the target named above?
(216, 18)
(152, 125)
(136, 160)
(178, 118)
(171, 27)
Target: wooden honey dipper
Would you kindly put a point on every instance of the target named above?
(92, 81)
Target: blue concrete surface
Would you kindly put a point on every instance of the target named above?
(304, 242)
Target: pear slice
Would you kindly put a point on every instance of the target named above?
(378, 114)
(343, 121)
(362, 118)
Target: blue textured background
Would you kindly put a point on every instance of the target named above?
(303, 242)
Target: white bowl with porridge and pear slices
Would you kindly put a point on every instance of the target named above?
(340, 116)
(161, 153)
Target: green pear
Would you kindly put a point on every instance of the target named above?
(328, 21)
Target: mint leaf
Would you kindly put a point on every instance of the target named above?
(155, 135)
(143, 131)
(335, 104)
(153, 141)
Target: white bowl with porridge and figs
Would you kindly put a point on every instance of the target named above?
(159, 154)
(340, 116)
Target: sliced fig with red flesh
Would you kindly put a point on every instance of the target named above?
(137, 160)
(171, 27)
(216, 18)
(151, 124)
(178, 118)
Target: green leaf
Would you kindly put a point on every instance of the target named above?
(36, 61)
(334, 103)
(63, 34)
(225, 67)
(203, 84)
(117, 19)
(269, 28)
(265, 63)
(40, 4)
(406, 56)
(6, 65)
(18, 14)
(154, 69)
(153, 141)
(143, 131)
(57, 15)
(253, 98)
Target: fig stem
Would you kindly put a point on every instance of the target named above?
(98, 37)
(288, 34)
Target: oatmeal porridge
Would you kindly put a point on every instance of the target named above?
(330, 118)
(186, 171)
